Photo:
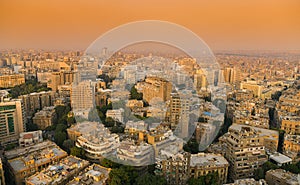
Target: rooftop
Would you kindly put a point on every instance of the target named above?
(57, 173)
(92, 175)
(207, 159)
(280, 158)
(271, 134)
(37, 157)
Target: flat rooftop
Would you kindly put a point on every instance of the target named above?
(39, 157)
(208, 159)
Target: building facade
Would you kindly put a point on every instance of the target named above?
(12, 121)
(245, 152)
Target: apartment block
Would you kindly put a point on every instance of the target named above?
(245, 151)
(281, 177)
(37, 101)
(44, 118)
(7, 81)
(202, 164)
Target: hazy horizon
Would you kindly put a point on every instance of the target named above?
(74, 25)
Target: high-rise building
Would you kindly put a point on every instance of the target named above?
(200, 81)
(178, 112)
(83, 98)
(12, 121)
(256, 89)
(232, 75)
(37, 101)
(245, 151)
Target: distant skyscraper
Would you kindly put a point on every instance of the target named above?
(232, 76)
(12, 121)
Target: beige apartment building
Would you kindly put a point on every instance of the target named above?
(291, 124)
(202, 164)
(281, 177)
(154, 87)
(245, 151)
(37, 101)
(291, 146)
(45, 117)
(7, 81)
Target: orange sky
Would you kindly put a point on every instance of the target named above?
(222, 24)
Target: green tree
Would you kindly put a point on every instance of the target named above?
(109, 164)
(28, 87)
(150, 179)
(119, 176)
(134, 94)
(261, 172)
(211, 178)
(31, 127)
(67, 145)
(61, 128)
(192, 146)
(78, 152)
(292, 168)
(59, 138)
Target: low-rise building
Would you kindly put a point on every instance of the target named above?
(117, 114)
(281, 177)
(45, 117)
(30, 138)
(133, 104)
(24, 162)
(95, 139)
(280, 159)
(134, 127)
(60, 173)
(202, 164)
(92, 175)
